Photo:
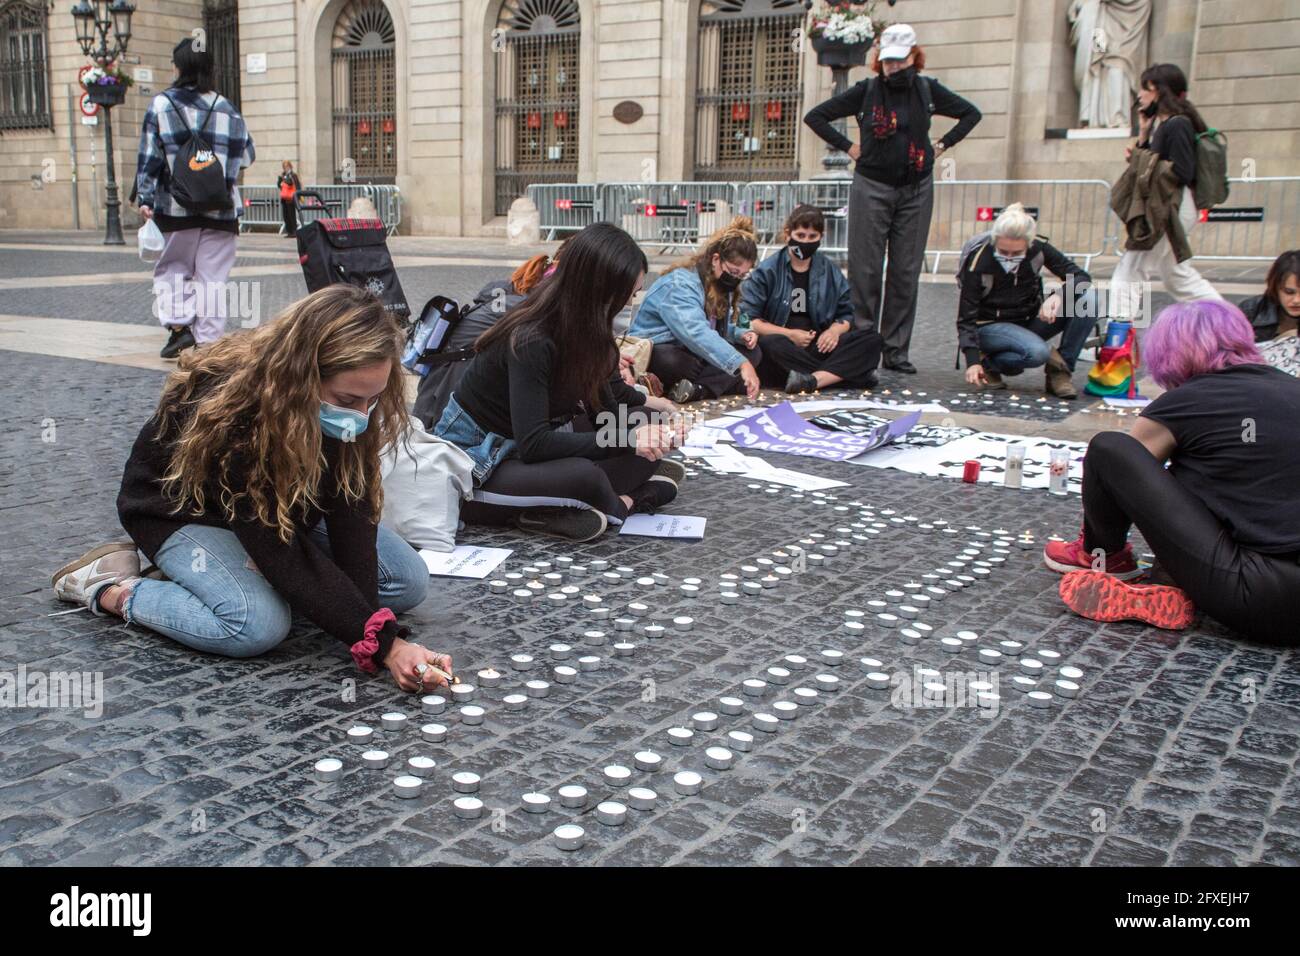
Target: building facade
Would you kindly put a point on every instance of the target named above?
(463, 103)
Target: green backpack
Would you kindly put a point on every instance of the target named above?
(1211, 168)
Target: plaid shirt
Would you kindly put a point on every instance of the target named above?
(165, 131)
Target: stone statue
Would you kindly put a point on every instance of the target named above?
(1110, 52)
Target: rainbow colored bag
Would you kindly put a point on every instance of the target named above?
(1115, 371)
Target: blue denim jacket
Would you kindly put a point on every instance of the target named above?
(766, 293)
(673, 312)
(485, 449)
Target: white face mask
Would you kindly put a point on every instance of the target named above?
(1008, 263)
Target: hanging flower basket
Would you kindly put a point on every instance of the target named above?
(835, 53)
(107, 94)
(104, 84)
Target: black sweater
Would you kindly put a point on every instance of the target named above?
(886, 160)
(512, 392)
(1175, 140)
(338, 594)
(1014, 297)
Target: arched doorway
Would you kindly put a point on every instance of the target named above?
(363, 76)
(535, 49)
(748, 95)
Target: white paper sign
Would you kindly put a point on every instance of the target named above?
(465, 561)
(663, 526)
(257, 63)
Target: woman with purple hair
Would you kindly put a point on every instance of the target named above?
(1218, 519)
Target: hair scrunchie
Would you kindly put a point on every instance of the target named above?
(364, 650)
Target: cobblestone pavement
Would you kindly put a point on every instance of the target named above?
(1180, 748)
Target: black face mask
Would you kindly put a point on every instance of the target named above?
(1150, 111)
(901, 79)
(803, 250)
(729, 282)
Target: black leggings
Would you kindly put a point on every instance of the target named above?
(565, 482)
(672, 363)
(853, 359)
(1253, 593)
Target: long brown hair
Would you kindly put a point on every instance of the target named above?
(575, 308)
(254, 434)
(736, 242)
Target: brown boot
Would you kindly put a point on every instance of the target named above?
(992, 377)
(1058, 377)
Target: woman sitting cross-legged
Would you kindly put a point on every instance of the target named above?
(798, 302)
(690, 315)
(254, 489)
(1275, 315)
(1218, 518)
(560, 444)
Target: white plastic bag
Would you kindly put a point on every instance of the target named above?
(150, 241)
(424, 485)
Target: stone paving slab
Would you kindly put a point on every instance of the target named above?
(1181, 748)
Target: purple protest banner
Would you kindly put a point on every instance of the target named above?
(780, 429)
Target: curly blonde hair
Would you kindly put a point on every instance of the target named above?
(735, 242)
(254, 401)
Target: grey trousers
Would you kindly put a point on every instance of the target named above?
(894, 220)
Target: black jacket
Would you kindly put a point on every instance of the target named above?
(991, 294)
(886, 160)
(1264, 314)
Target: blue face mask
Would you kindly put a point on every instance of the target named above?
(343, 423)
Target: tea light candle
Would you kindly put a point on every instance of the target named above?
(560, 652)
(910, 635)
(647, 761)
(704, 720)
(827, 683)
(624, 649)
(589, 663)
(646, 582)
(467, 808)
(786, 709)
(869, 664)
(990, 656)
(654, 631)
(687, 782)
(1031, 666)
(855, 628)
(767, 581)
(1039, 698)
(537, 688)
(1011, 648)
(751, 571)
(421, 766)
(498, 587)
(488, 677)
(570, 836)
(433, 704)
(952, 584)
(766, 723)
(680, 736)
(1066, 688)
(1047, 657)
(637, 609)
(683, 623)
(816, 560)
(877, 680)
(887, 620)
(731, 706)
(599, 613)
(877, 607)
(642, 798)
(462, 693)
(660, 579)
(612, 577)
(778, 675)
(739, 740)
(564, 674)
(617, 775)
(1023, 684)
(471, 715)
(895, 596)
(951, 645)
(515, 701)
(598, 564)
(933, 691)
(592, 600)
(535, 802)
(751, 588)
(719, 758)
(573, 796)
(464, 781)
(729, 597)
(1071, 673)
(794, 662)
(624, 623)
(328, 768)
(433, 733)
(627, 572)
(611, 813)
(407, 787)
(967, 637)
(360, 734)
(935, 593)
(753, 687)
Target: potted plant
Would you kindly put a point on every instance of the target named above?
(105, 85)
(842, 33)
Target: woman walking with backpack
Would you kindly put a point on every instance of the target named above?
(1168, 126)
(892, 195)
(192, 148)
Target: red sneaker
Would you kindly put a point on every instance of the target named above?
(1102, 597)
(1066, 556)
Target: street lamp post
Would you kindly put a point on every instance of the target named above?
(98, 23)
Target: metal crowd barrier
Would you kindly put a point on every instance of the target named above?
(1260, 221)
(262, 204)
(564, 207)
(668, 216)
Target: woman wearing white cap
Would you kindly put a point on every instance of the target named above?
(893, 192)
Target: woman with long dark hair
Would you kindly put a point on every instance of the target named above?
(1168, 125)
(691, 315)
(190, 277)
(560, 444)
(255, 490)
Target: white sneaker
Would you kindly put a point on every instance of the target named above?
(80, 581)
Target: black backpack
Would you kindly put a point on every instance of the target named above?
(351, 251)
(927, 96)
(197, 179)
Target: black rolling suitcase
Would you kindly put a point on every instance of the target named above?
(352, 251)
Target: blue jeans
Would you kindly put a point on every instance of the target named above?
(486, 449)
(1011, 348)
(216, 601)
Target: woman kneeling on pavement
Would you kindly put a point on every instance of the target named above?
(255, 487)
(1275, 315)
(798, 302)
(1004, 322)
(1218, 518)
(560, 444)
(690, 315)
